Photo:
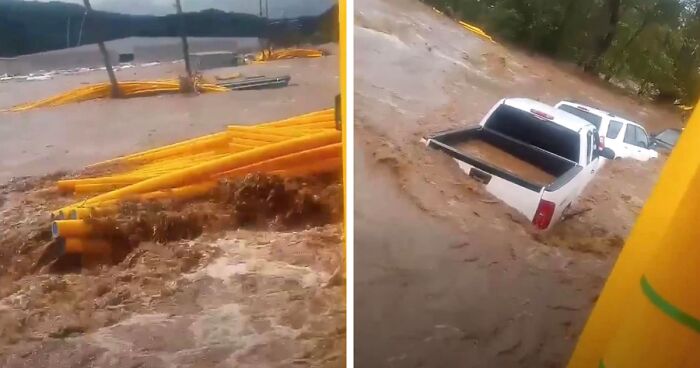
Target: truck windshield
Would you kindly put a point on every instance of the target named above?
(525, 127)
(585, 115)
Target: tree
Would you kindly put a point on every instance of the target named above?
(653, 44)
(603, 44)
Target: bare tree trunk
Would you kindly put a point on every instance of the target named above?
(568, 15)
(604, 42)
(103, 50)
(183, 37)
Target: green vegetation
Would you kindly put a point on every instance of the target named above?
(652, 44)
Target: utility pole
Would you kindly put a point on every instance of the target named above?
(261, 13)
(68, 33)
(80, 34)
(185, 45)
(103, 50)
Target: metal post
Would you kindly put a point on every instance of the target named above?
(103, 50)
(183, 36)
(80, 34)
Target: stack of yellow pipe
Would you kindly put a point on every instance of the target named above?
(287, 54)
(298, 146)
(103, 90)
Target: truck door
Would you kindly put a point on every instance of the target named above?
(590, 163)
(613, 138)
(636, 143)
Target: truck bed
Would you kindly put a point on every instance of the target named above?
(497, 157)
(497, 154)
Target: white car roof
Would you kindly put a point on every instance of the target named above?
(602, 113)
(561, 117)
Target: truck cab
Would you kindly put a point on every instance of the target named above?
(624, 137)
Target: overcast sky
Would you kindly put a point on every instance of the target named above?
(278, 8)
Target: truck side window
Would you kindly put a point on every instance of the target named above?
(630, 135)
(642, 139)
(614, 129)
(589, 153)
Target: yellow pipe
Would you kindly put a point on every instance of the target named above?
(239, 147)
(279, 132)
(230, 162)
(261, 135)
(185, 192)
(183, 149)
(86, 246)
(252, 135)
(324, 116)
(99, 188)
(297, 158)
(89, 212)
(628, 327)
(297, 121)
(333, 164)
(318, 125)
(70, 228)
(221, 135)
(70, 184)
(249, 142)
(178, 161)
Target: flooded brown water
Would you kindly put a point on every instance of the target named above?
(445, 274)
(262, 297)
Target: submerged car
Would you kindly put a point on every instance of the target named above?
(666, 140)
(625, 137)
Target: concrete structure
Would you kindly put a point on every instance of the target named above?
(213, 59)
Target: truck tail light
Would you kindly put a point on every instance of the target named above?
(543, 216)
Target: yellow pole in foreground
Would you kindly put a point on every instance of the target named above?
(648, 315)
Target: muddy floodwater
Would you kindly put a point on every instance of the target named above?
(241, 278)
(503, 160)
(452, 276)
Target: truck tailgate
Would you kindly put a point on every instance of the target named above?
(510, 181)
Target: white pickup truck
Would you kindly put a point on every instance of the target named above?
(625, 138)
(562, 149)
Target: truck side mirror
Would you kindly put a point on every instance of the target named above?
(607, 153)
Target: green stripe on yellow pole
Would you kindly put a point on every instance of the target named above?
(645, 316)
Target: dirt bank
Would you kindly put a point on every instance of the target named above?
(481, 286)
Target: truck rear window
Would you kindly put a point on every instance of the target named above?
(525, 127)
(585, 115)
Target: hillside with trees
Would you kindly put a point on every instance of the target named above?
(28, 27)
(654, 45)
